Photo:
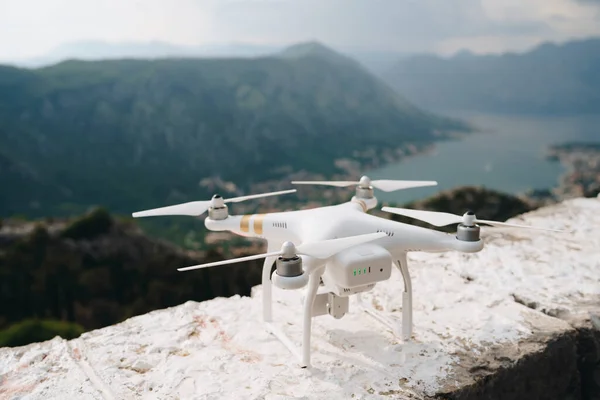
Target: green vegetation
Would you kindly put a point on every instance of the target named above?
(98, 222)
(550, 79)
(34, 330)
(97, 271)
(133, 134)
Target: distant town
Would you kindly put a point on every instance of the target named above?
(582, 178)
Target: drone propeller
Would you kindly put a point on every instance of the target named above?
(387, 185)
(321, 250)
(195, 208)
(443, 219)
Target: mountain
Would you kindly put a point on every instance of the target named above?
(514, 321)
(98, 50)
(130, 134)
(550, 79)
(376, 61)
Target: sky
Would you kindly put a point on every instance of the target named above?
(32, 28)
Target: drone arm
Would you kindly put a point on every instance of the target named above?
(233, 223)
(431, 241)
(415, 238)
(273, 226)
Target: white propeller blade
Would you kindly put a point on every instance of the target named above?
(231, 261)
(322, 250)
(192, 208)
(326, 183)
(386, 185)
(431, 217)
(195, 208)
(443, 219)
(256, 196)
(390, 185)
(496, 223)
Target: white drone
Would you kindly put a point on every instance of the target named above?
(336, 251)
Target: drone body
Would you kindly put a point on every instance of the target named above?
(341, 250)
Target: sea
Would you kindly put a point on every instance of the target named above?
(507, 153)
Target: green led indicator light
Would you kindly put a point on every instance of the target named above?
(354, 272)
(359, 271)
(365, 270)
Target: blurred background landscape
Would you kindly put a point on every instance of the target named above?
(111, 108)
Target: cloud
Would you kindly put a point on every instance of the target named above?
(33, 27)
(391, 24)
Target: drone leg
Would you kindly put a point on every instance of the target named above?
(313, 286)
(402, 265)
(267, 289)
(406, 331)
(283, 338)
(377, 315)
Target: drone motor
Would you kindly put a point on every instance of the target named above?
(468, 230)
(218, 209)
(289, 274)
(468, 233)
(364, 189)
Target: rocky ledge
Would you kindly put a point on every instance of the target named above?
(515, 321)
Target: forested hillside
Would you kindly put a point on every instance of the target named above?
(131, 134)
(96, 270)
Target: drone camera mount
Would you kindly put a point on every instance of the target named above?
(337, 306)
(330, 303)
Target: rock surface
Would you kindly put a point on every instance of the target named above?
(515, 321)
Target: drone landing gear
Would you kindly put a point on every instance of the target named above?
(405, 331)
(314, 279)
(320, 302)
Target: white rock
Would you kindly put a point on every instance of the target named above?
(219, 349)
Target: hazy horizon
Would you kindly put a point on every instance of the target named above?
(33, 28)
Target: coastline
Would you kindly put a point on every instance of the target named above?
(582, 175)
